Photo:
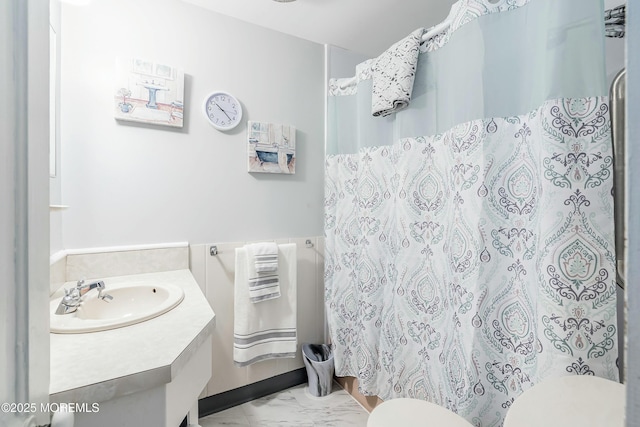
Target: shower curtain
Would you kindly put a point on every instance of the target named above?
(469, 237)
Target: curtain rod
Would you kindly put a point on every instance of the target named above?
(614, 27)
(434, 31)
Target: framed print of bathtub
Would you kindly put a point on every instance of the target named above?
(271, 148)
(149, 92)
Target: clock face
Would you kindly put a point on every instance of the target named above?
(222, 110)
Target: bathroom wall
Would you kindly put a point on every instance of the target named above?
(133, 184)
(342, 62)
(140, 184)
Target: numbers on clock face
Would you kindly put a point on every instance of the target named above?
(222, 110)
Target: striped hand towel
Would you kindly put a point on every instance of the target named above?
(264, 256)
(267, 330)
(264, 283)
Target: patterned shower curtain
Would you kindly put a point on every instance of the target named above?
(469, 238)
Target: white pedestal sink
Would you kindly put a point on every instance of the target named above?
(131, 303)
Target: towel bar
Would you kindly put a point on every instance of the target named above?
(213, 250)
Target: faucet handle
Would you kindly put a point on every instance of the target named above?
(80, 283)
(71, 296)
(105, 297)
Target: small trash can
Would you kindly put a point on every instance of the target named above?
(318, 359)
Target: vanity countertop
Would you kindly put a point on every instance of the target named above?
(98, 366)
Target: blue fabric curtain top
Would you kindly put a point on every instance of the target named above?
(496, 65)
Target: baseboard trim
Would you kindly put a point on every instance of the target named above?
(228, 399)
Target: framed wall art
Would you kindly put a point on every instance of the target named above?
(149, 92)
(271, 148)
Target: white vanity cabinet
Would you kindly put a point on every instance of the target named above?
(146, 374)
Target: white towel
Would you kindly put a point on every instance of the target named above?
(264, 256)
(393, 75)
(266, 330)
(263, 280)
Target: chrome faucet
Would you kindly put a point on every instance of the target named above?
(73, 297)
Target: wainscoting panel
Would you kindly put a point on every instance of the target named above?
(215, 275)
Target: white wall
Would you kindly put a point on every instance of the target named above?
(342, 62)
(136, 184)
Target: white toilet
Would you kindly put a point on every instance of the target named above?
(413, 413)
(571, 401)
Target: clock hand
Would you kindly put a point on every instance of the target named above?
(225, 113)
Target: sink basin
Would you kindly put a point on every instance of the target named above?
(131, 303)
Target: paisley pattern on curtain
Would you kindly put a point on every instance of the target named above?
(463, 268)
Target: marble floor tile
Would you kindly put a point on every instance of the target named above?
(261, 422)
(337, 397)
(215, 421)
(345, 415)
(294, 407)
(277, 408)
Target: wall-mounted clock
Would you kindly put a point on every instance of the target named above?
(222, 110)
